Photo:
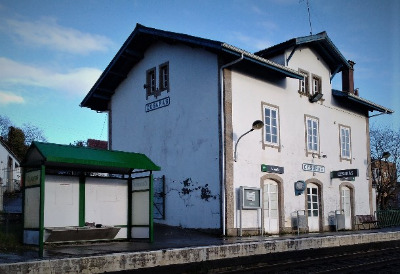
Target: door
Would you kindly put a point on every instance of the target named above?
(313, 207)
(346, 206)
(270, 207)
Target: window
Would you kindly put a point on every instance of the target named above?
(316, 84)
(271, 125)
(312, 134)
(303, 84)
(345, 141)
(164, 77)
(151, 82)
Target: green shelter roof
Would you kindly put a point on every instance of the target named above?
(86, 159)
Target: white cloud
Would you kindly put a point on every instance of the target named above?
(47, 33)
(251, 43)
(10, 98)
(77, 81)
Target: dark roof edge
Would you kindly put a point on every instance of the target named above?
(369, 104)
(202, 42)
(294, 42)
(152, 31)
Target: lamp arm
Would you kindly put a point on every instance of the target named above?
(237, 142)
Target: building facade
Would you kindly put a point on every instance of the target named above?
(186, 102)
(10, 173)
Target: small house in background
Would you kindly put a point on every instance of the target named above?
(10, 172)
(100, 144)
(64, 206)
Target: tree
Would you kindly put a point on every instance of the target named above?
(33, 133)
(5, 124)
(17, 139)
(16, 142)
(385, 170)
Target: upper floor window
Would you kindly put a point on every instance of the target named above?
(312, 134)
(271, 125)
(316, 84)
(303, 84)
(164, 77)
(151, 82)
(345, 142)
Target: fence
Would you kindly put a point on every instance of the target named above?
(388, 218)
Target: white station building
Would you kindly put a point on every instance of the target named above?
(186, 102)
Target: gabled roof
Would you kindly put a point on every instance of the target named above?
(86, 159)
(320, 42)
(3, 144)
(362, 103)
(132, 51)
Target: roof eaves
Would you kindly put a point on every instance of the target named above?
(262, 61)
(371, 105)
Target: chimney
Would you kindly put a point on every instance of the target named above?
(348, 78)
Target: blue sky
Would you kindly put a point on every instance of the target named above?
(52, 52)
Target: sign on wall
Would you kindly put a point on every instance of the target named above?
(32, 178)
(251, 197)
(158, 104)
(344, 173)
(272, 169)
(313, 168)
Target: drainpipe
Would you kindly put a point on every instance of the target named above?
(221, 73)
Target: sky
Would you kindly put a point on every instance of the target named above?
(52, 52)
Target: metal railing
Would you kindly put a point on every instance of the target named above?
(388, 218)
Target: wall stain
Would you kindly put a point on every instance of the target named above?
(189, 189)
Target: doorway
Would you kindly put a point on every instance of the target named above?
(271, 206)
(313, 207)
(346, 206)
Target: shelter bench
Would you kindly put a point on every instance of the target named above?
(366, 220)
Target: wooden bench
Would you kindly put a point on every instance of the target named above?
(366, 220)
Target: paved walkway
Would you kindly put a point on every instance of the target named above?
(174, 246)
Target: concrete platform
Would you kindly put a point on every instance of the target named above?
(177, 246)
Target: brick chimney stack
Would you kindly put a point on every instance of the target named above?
(348, 78)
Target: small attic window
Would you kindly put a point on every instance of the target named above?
(164, 77)
(150, 82)
(316, 84)
(304, 84)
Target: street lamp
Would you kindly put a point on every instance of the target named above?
(256, 125)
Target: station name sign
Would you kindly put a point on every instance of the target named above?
(313, 168)
(158, 104)
(272, 169)
(344, 173)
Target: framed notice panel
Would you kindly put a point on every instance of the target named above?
(251, 197)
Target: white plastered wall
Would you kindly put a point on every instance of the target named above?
(182, 138)
(247, 97)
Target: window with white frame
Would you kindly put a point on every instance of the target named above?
(316, 84)
(164, 77)
(312, 134)
(345, 142)
(271, 125)
(303, 84)
(151, 82)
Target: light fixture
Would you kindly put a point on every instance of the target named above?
(258, 124)
(316, 97)
(386, 155)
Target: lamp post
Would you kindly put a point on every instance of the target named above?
(256, 125)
